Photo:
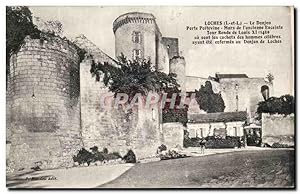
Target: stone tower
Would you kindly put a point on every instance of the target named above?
(177, 66)
(43, 95)
(137, 36)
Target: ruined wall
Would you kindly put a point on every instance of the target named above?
(278, 129)
(44, 97)
(173, 134)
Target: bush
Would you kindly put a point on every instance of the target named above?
(162, 147)
(228, 142)
(94, 149)
(112, 156)
(105, 151)
(283, 105)
(190, 142)
(84, 156)
(279, 145)
(212, 142)
(130, 157)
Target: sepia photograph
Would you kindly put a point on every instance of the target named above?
(150, 97)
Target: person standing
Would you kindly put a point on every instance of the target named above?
(202, 145)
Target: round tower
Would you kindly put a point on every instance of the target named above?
(44, 104)
(177, 66)
(136, 36)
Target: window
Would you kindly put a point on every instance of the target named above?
(137, 54)
(136, 37)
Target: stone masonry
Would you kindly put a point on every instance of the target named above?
(111, 127)
(44, 104)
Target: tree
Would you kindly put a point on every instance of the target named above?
(18, 26)
(270, 78)
(176, 113)
(283, 105)
(50, 26)
(132, 77)
(208, 100)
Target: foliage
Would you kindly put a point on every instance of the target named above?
(283, 105)
(130, 157)
(50, 26)
(84, 156)
(162, 147)
(270, 78)
(208, 100)
(212, 142)
(19, 24)
(81, 52)
(228, 142)
(175, 114)
(105, 150)
(279, 145)
(131, 77)
(187, 142)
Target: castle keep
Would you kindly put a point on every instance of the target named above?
(53, 102)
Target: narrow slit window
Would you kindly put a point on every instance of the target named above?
(136, 37)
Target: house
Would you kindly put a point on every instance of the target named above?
(216, 124)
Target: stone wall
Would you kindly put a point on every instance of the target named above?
(177, 66)
(172, 46)
(173, 134)
(114, 128)
(162, 58)
(241, 94)
(44, 104)
(126, 24)
(278, 129)
(193, 83)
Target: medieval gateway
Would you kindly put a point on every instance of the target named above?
(53, 102)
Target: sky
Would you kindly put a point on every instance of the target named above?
(202, 60)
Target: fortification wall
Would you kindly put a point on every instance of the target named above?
(278, 129)
(177, 66)
(44, 104)
(115, 129)
(173, 134)
(162, 58)
(172, 46)
(243, 93)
